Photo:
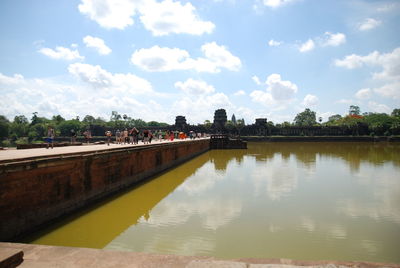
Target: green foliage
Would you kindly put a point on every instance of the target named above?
(89, 120)
(65, 127)
(21, 119)
(306, 118)
(4, 127)
(379, 123)
(139, 123)
(19, 129)
(32, 135)
(396, 112)
(22, 140)
(115, 116)
(156, 124)
(334, 118)
(57, 119)
(6, 143)
(207, 124)
(354, 110)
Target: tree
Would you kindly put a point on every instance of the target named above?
(21, 119)
(207, 125)
(139, 123)
(379, 123)
(19, 127)
(354, 110)
(306, 118)
(4, 127)
(66, 126)
(89, 120)
(396, 112)
(34, 119)
(57, 119)
(334, 118)
(115, 116)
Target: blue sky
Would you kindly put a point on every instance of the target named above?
(155, 59)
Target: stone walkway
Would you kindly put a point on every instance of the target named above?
(35, 256)
(13, 154)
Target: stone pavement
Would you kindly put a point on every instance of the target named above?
(35, 256)
(13, 154)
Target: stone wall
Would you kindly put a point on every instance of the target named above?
(36, 191)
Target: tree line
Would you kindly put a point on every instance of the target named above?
(24, 130)
(367, 123)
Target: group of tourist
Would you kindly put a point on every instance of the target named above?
(132, 136)
(126, 136)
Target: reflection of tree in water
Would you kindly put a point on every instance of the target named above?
(354, 153)
(221, 158)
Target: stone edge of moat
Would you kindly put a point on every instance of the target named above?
(322, 138)
(103, 187)
(68, 155)
(56, 256)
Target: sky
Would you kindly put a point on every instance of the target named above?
(156, 59)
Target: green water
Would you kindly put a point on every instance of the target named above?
(309, 201)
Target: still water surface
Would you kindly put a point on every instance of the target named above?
(309, 201)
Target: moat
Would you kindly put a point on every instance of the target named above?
(309, 201)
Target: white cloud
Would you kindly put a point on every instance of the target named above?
(278, 92)
(161, 59)
(256, 80)
(240, 93)
(351, 61)
(195, 87)
(390, 90)
(331, 39)
(61, 53)
(389, 76)
(280, 89)
(276, 3)
(21, 96)
(221, 57)
(110, 13)
(17, 78)
(378, 107)
(307, 46)
(166, 17)
(388, 7)
(160, 18)
(310, 100)
(273, 43)
(363, 94)
(206, 104)
(97, 43)
(390, 62)
(325, 40)
(99, 78)
(369, 24)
